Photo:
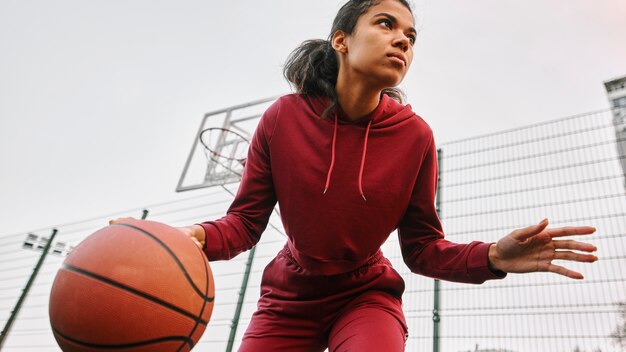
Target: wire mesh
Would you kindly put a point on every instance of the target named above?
(567, 170)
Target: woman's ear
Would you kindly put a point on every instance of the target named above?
(339, 42)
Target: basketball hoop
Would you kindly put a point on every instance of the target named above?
(220, 146)
(225, 148)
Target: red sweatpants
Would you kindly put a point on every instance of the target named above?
(356, 311)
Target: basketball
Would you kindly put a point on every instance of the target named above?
(132, 286)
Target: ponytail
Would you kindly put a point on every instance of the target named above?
(312, 69)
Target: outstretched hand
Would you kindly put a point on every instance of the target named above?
(533, 249)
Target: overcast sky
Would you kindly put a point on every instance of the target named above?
(100, 100)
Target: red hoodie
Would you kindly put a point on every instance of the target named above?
(343, 186)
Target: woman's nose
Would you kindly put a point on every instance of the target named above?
(402, 42)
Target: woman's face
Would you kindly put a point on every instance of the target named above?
(380, 49)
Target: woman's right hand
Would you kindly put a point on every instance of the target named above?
(195, 233)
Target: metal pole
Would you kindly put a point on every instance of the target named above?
(18, 305)
(242, 294)
(436, 317)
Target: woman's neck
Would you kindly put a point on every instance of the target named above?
(356, 100)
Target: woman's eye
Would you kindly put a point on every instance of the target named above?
(385, 23)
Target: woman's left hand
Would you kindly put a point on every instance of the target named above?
(533, 248)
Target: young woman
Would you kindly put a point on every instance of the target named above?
(349, 164)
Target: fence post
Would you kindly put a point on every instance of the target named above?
(436, 318)
(18, 305)
(242, 294)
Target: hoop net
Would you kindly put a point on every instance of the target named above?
(225, 150)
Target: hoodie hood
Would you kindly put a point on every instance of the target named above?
(389, 112)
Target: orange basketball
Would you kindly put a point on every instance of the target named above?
(132, 286)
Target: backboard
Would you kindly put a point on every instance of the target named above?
(202, 169)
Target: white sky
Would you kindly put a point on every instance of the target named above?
(100, 100)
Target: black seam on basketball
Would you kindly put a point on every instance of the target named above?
(169, 251)
(134, 291)
(206, 288)
(122, 346)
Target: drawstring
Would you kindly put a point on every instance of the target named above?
(367, 132)
(332, 159)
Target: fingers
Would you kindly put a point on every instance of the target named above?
(571, 231)
(195, 240)
(188, 232)
(571, 256)
(575, 257)
(530, 231)
(574, 245)
(557, 269)
(113, 221)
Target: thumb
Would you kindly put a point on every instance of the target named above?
(195, 240)
(527, 232)
(114, 221)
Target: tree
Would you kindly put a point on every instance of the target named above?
(619, 335)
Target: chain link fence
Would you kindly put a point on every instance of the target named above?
(567, 170)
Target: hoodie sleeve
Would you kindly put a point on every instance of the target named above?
(249, 212)
(424, 249)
